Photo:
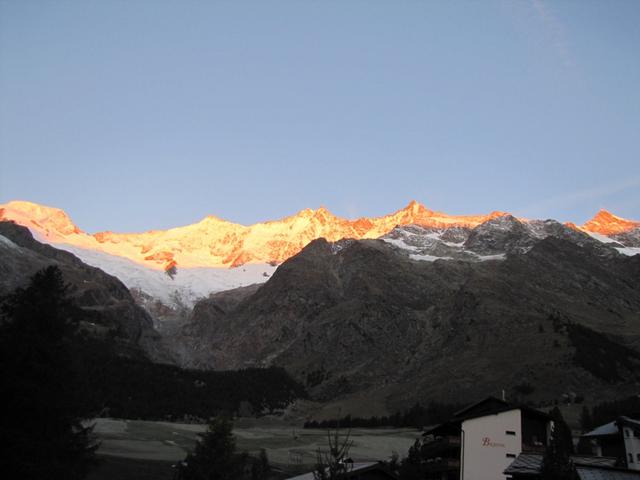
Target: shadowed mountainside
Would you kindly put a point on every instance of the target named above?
(363, 316)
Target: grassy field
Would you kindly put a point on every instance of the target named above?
(119, 468)
(288, 447)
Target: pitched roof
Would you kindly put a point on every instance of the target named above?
(483, 408)
(531, 463)
(599, 473)
(607, 429)
(525, 464)
(356, 471)
(611, 428)
(630, 422)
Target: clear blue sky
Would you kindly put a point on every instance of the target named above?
(133, 115)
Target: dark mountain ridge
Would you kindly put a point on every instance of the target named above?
(109, 309)
(365, 317)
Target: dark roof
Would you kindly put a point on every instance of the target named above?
(600, 473)
(525, 464)
(603, 430)
(483, 408)
(590, 461)
(357, 470)
(531, 463)
(488, 404)
(612, 428)
(629, 422)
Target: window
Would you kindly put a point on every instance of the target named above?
(511, 455)
(631, 458)
(638, 459)
(510, 432)
(626, 432)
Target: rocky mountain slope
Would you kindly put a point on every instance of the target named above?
(411, 306)
(437, 313)
(109, 308)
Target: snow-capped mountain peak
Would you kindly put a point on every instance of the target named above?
(52, 223)
(216, 247)
(606, 223)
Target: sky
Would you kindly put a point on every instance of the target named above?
(137, 115)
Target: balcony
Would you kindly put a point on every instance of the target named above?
(441, 464)
(440, 444)
(536, 448)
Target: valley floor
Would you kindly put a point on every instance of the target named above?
(137, 442)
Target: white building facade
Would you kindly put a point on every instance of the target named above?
(489, 445)
(481, 441)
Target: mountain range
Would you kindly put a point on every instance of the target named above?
(373, 313)
(216, 255)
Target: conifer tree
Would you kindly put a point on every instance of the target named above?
(260, 467)
(556, 463)
(214, 457)
(585, 419)
(41, 435)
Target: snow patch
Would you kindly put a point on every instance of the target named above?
(427, 258)
(499, 256)
(400, 243)
(630, 251)
(600, 237)
(8, 243)
(187, 287)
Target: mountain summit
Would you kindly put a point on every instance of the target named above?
(214, 242)
(215, 254)
(606, 223)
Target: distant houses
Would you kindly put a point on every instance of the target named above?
(619, 439)
(479, 442)
(528, 467)
(497, 440)
(493, 440)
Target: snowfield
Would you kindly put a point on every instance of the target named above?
(187, 286)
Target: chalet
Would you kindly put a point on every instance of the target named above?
(479, 442)
(619, 439)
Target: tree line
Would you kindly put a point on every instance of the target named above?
(609, 411)
(52, 376)
(124, 387)
(417, 416)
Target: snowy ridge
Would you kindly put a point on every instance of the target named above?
(491, 240)
(214, 255)
(214, 242)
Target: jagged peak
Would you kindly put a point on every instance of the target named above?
(498, 213)
(415, 207)
(606, 223)
(214, 241)
(212, 220)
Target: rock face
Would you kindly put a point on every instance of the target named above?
(109, 307)
(372, 316)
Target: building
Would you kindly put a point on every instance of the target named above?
(528, 466)
(619, 439)
(359, 471)
(482, 440)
